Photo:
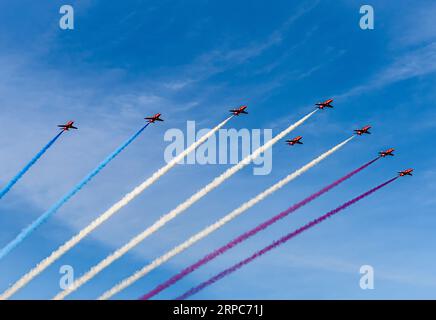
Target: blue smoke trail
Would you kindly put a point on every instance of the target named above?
(28, 166)
(46, 215)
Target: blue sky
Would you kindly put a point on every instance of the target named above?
(192, 61)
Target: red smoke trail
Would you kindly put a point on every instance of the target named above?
(279, 242)
(250, 233)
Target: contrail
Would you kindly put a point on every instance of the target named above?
(279, 242)
(249, 234)
(55, 255)
(229, 217)
(179, 209)
(46, 215)
(28, 166)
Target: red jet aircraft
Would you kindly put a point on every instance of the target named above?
(154, 118)
(386, 152)
(407, 172)
(67, 126)
(363, 130)
(325, 104)
(238, 111)
(294, 141)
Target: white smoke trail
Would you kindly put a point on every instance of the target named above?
(55, 255)
(175, 212)
(220, 223)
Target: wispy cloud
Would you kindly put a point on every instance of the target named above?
(419, 62)
(223, 58)
(417, 27)
(329, 263)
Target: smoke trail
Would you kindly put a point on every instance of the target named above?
(279, 242)
(179, 209)
(40, 267)
(248, 234)
(28, 166)
(232, 215)
(46, 215)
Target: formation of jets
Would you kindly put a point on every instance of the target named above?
(297, 140)
(70, 124)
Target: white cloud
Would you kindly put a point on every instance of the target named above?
(419, 62)
(416, 27)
